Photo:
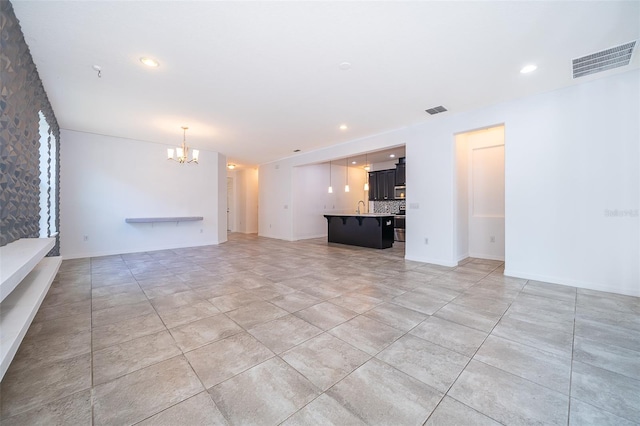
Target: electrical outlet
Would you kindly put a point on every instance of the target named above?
(492, 239)
(426, 241)
(85, 238)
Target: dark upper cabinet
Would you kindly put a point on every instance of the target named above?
(381, 179)
(401, 175)
(382, 185)
(373, 186)
(389, 185)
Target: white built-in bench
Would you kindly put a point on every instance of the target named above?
(25, 277)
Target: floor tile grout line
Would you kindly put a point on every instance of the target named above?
(370, 358)
(460, 402)
(39, 406)
(406, 333)
(322, 392)
(91, 392)
(601, 367)
(472, 358)
(514, 341)
(203, 387)
(173, 405)
(573, 344)
(606, 410)
(130, 340)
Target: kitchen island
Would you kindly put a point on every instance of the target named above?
(364, 230)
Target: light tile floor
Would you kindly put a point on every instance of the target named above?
(262, 331)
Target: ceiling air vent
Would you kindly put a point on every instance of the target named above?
(615, 57)
(436, 110)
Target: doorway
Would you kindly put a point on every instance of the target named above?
(230, 205)
(480, 194)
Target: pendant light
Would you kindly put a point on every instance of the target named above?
(366, 173)
(330, 187)
(346, 186)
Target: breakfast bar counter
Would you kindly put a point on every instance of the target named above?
(364, 230)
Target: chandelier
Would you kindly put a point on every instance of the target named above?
(182, 153)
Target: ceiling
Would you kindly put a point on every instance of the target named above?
(258, 80)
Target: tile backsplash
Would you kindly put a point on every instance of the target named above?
(392, 206)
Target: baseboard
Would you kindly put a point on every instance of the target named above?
(486, 256)
(432, 261)
(309, 237)
(572, 283)
(66, 256)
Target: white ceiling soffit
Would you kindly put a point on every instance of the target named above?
(604, 60)
(257, 80)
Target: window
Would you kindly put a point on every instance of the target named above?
(48, 166)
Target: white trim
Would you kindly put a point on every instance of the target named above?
(572, 283)
(432, 261)
(137, 250)
(310, 237)
(486, 256)
(463, 257)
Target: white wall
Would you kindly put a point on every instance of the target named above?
(567, 161)
(311, 199)
(571, 155)
(105, 180)
(277, 186)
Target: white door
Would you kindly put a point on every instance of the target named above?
(486, 202)
(230, 221)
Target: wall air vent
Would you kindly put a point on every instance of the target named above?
(436, 110)
(615, 57)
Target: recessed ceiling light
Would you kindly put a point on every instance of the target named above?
(367, 168)
(354, 162)
(345, 66)
(392, 156)
(296, 150)
(528, 68)
(231, 166)
(150, 62)
(343, 127)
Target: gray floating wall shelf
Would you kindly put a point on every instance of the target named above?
(162, 219)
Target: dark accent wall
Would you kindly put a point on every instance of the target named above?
(22, 96)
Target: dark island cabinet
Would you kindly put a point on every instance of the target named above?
(367, 230)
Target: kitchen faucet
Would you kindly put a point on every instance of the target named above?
(363, 205)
